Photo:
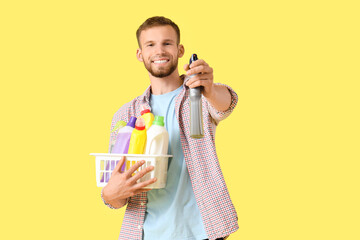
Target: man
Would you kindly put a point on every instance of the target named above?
(195, 203)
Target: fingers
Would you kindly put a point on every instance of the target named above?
(140, 174)
(199, 66)
(119, 165)
(197, 84)
(146, 183)
(140, 187)
(198, 62)
(204, 75)
(199, 80)
(133, 168)
(203, 69)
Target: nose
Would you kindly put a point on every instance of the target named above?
(160, 49)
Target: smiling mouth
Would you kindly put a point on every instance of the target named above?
(161, 61)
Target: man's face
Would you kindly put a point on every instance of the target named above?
(159, 50)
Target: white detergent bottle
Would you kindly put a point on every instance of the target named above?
(157, 138)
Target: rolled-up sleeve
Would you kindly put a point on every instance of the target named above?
(221, 115)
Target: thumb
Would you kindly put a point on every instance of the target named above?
(119, 164)
(186, 67)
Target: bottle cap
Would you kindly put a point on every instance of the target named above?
(132, 122)
(140, 124)
(140, 127)
(159, 120)
(144, 111)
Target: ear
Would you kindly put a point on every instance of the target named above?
(181, 50)
(139, 55)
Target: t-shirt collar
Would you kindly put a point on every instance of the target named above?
(146, 95)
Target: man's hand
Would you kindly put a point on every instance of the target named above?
(203, 78)
(123, 185)
(218, 95)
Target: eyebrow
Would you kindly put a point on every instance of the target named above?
(166, 40)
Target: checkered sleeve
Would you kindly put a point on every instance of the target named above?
(221, 115)
(112, 134)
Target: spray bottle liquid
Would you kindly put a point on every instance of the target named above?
(196, 120)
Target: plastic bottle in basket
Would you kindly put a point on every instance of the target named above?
(138, 138)
(117, 127)
(157, 138)
(123, 139)
(147, 116)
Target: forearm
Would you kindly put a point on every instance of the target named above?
(219, 97)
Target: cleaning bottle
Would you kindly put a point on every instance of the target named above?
(138, 138)
(157, 141)
(147, 116)
(123, 139)
(117, 127)
(196, 120)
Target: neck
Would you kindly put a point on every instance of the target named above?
(166, 84)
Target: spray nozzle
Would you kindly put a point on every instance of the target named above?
(193, 58)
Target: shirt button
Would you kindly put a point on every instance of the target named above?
(139, 227)
(142, 203)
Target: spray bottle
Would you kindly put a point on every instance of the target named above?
(196, 120)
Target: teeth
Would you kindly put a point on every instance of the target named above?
(160, 61)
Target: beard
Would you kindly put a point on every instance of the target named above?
(162, 71)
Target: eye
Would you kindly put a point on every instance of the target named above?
(167, 43)
(150, 45)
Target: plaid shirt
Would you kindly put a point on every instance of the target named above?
(211, 194)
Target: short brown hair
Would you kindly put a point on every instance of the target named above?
(157, 21)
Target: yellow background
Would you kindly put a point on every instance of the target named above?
(289, 152)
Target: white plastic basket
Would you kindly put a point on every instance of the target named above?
(106, 162)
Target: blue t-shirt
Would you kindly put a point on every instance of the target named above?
(172, 212)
